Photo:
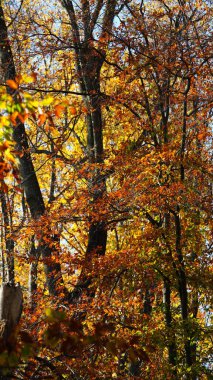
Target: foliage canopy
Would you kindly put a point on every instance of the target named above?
(105, 174)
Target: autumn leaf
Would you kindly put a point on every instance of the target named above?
(84, 109)
(106, 196)
(58, 109)
(73, 111)
(28, 78)
(12, 84)
(13, 117)
(5, 145)
(9, 156)
(42, 118)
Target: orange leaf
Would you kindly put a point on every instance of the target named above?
(22, 118)
(42, 118)
(58, 110)
(4, 187)
(73, 111)
(18, 79)
(12, 84)
(4, 146)
(34, 76)
(84, 109)
(13, 117)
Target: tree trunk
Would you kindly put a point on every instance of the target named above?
(33, 274)
(183, 292)
(11, 301)
(89, 62)
(8, 240)
(172, 350)
(29, 180)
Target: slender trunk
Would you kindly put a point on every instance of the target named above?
(172, 350)
(147, 304)
(182, 280)
(53, 178)
(2, 251)
(33, 274)
(8, 241)
(183, 293)
(190, 349)
(194, 308)
(29, 180)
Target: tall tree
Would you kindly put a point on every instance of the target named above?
(89, 47)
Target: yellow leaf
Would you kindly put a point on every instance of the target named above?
(32, 104)
(48, 312)
(54, 132)
(28, 79)
(3, 105)
(9, 156)
(4, 121)
(47, 101)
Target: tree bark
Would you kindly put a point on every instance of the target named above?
(8, 241)
(172, 350)
(11, 301)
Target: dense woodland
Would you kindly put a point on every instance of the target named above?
(105, 189)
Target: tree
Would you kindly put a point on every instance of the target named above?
(115, 167)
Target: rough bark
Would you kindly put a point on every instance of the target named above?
(11, 301)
